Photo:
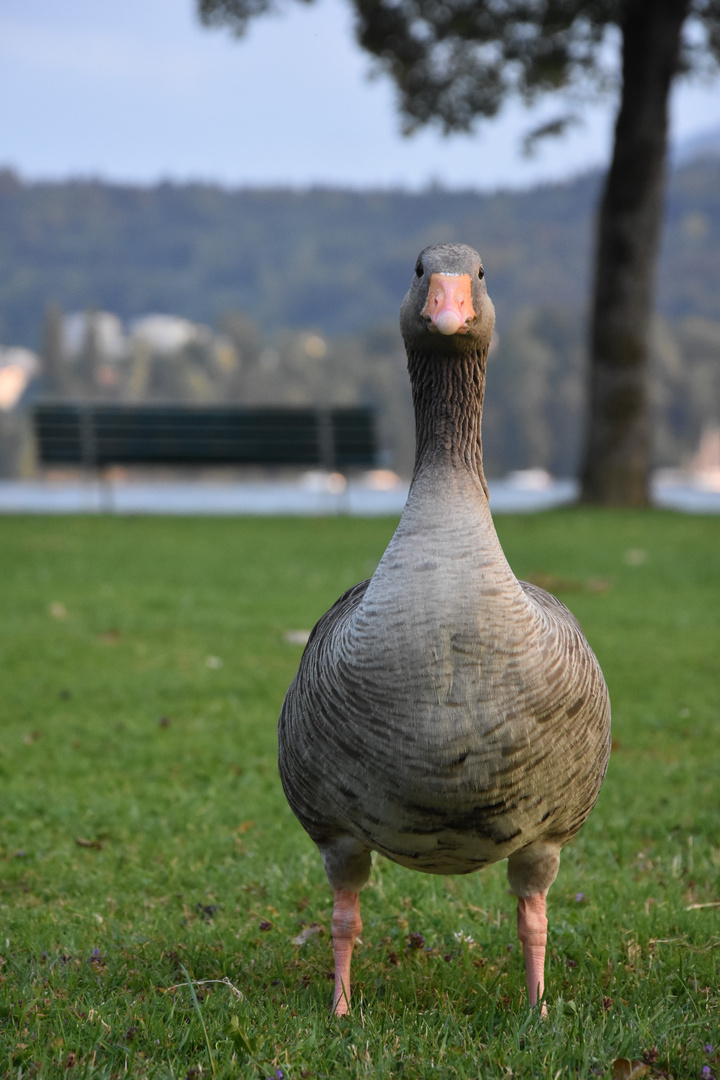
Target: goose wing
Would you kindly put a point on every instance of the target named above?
(582, 713)
(301, 748)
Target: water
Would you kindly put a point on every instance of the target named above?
(313, 495)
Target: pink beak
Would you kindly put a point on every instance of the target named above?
(449, 303)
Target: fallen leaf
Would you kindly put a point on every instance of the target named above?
(296, 637)
(57, 610)
(309, 932)
(82, 842)
(245, 826)
(624, 1069)
(634, 950)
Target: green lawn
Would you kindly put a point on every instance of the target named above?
(146, 846)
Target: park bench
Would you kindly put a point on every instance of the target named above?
(95, 436)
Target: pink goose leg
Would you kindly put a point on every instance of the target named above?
(346, 925)
(532, 931)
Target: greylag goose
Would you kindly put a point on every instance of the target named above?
(445, 714)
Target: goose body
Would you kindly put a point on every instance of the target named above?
(445, 714)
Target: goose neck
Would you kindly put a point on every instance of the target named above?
(448, 398)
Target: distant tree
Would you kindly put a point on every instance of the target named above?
(91, 356)
(455, 61)
(53, 351)
(246, 340)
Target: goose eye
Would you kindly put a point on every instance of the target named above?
(419, 269)
(481, 273)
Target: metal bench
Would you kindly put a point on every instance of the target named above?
(95, 436)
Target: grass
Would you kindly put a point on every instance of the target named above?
(147, 853)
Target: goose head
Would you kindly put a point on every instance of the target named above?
(447, 310)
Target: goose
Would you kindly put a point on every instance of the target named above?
(445, 714)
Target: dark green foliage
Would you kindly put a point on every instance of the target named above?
(337, 261)
(454, 63)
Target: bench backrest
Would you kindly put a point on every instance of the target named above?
(97, 435)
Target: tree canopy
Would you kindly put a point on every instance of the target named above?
(455, 62)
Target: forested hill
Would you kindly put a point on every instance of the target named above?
(338, 261)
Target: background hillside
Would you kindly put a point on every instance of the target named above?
(328, 259)
(262, 266)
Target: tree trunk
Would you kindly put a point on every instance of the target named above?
(617, 451)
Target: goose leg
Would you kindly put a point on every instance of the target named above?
(532, 931)
(347, 865)
(531, 872)
(346, 926)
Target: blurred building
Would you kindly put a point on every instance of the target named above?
(166, 334)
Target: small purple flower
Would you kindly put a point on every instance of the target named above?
(708, 1048)
(579, 897)
(707, 1073)
(277, 1075)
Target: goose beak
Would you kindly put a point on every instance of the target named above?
(449, 308)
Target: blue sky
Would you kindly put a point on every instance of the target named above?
(138, 91)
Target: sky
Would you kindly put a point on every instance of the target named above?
(137, 91)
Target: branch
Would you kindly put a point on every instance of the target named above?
(236, 14)
(551, 129)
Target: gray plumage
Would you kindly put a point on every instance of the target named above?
(445, 714)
